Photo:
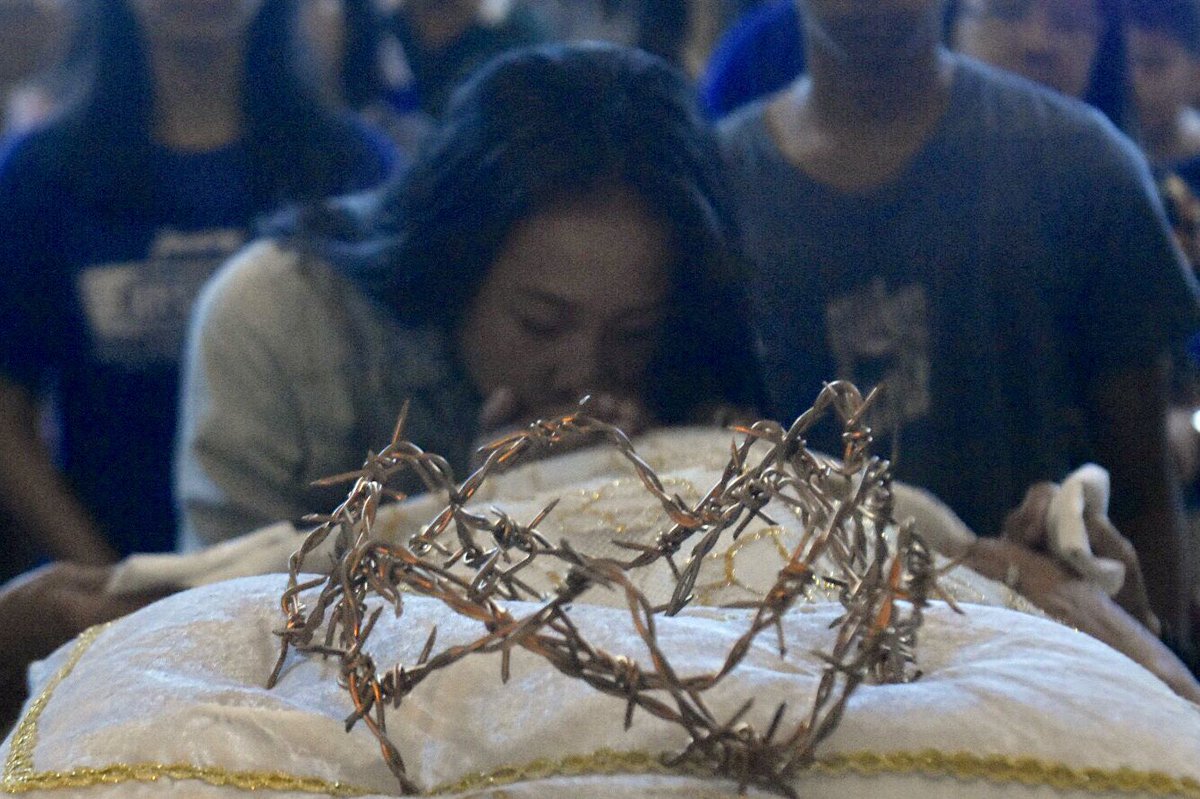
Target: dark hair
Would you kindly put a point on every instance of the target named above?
(1179, 19)
(535, 126)
(1109, 89)
(299, 148)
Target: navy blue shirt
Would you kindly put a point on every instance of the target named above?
(95, 296)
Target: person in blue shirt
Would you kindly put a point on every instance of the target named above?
(196, 122)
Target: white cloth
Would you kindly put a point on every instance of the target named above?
(181, 683)
(601, 500)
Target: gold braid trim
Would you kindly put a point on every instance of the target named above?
(19, 765)
(20, 777)
(998, 769)
(152, 772)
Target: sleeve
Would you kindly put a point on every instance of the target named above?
(34, 305)
(241, 427)
(1137, 298)
(758, 56)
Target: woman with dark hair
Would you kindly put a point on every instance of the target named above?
(564, 233)
(197, 120)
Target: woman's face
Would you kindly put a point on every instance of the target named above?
(1164, 76)
(1052, 42)
(574, 304)
(195, 22)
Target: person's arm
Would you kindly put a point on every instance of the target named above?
(1079, 604)
(43, 609)
(34, 492)
(1129, 417)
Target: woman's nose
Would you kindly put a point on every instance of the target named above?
(582, 366)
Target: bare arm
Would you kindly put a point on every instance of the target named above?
(1080, 604)
(1129, 414)
(43, 609)
(34, 492)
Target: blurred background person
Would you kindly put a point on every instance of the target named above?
(362, 66)
(1076, 47)
(444, 41)
(1164, 50)
(195, 121)
(873, 168)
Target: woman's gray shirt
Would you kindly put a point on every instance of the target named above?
(292, 375)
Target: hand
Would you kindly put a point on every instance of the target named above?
(1026, 525)
(45, 608)
(1080, 604)
(1184, 444)
(503, 413)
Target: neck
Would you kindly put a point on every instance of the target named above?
(197, 96)
(850, 95)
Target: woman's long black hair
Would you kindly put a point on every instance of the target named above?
(536, 126)
(299, 148)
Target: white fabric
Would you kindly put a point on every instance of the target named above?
(181, 682)
(601, 500)
(1085, 490)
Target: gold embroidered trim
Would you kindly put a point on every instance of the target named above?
(997, 769)
(20, 777)
(19, 765)
(152, 772)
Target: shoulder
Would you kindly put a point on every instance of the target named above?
(745, 141)
(1005, 108)
(259, 287)
(745, 126)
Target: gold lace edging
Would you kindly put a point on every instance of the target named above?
(997, 769)
(20, 777)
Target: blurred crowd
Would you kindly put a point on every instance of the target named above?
(239, 235)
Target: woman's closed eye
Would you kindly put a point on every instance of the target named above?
(543, 327)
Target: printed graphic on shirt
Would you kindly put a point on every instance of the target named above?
(882, 339)
(138, 312)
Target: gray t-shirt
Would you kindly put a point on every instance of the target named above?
(1022, 253)
(292, 375)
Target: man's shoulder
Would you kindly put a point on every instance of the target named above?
(1002, 105)
(746, 128)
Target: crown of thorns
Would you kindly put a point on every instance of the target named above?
(473, 565)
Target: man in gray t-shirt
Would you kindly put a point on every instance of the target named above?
(993, 255)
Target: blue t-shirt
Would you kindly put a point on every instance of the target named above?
(95, 297)
(762, 53)
(1019, 256)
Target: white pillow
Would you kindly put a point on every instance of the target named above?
(171, 702)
